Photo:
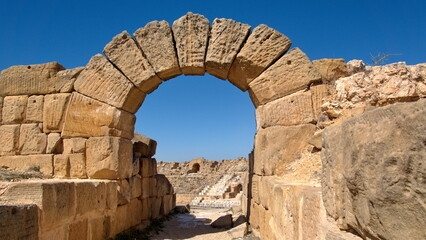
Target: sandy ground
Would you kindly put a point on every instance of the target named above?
(196, 225)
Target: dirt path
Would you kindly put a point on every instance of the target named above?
(196, 226)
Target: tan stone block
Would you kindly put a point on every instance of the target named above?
(331, 69)
(75, 145)
(263, 47)
(32, 140)
(156, 42)
(90, 196)
(319, 92)
(29, 79)
(77, 165)
(65, 79)
(102, 81)
(135, 212)
(286, 111)
(123, 192)
(124, 53)
(144, 145)
(1, 109)
(60, 232)
(226, 39)
(122, 218)
(101, 228)
(9, 139)
(62, 166)
(146, 211)
(23, 163)
(146, 188)
(19, 221)
(153, 191)
(291, 73)
(78, 230)
(109, 157)
(163, 185)
(149, 167)
(167, 205)
(191, 34)
(14, 109)
(136, 166)
(34, 109)
(155, 207)
(135, 186)
(54, 143)
(87, 117)
(54, 111)
(276, 146)
(112, 200)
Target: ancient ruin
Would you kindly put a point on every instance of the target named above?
(336, 155)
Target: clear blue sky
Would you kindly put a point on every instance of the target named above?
(204, 116)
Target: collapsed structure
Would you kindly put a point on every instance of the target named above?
(313, 174)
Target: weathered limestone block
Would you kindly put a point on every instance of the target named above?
(319, 92)
(61, 165)
(372, 172)
(286, 111)
(54, 109)
(60, 232)
(123, 192)
(331, 69)
(146, 188)
(263, 47)
(14, 109)
(122, 218)
(226, 39)
(34, 109)
(88, 117)
(23, 163)
(9, 139)
(75, 145)
(19, 221)
(30, 79)
(55, 199)
(32, 140)
(77, 165)
(101, 228)
(156, 42)
(109, 157)
(102, 81)
(136, 164)
(128, 58)
(1, 109)
(146, 212)
(135, 212)
(135, 183)
(276, 146)
(163, 185)
(65, 79)
(90, 196)
(291, 73)
(111, 192)
(54, 143)
(144, 145)
(78, 230)
(155, 207)
(149, 167)
(191, 35)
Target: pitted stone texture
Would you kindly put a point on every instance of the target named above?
(143, 145)
(75, 145)
(276, 146)
(102, 81)
(109, 158)
(19, 221)
(9, 139)
(54, 143)
(263, 47)
(90, 196)
(61, 165)
(319, 94)
(226, 39)
(156, 42)
(32, 140)
(291, 73)
(191, 35)
(22, 163)
(77, 165)
(14, 109)
(34, 113)
(65, 79)
(331, 69)
(286, 111)
(87, 117)
(128, 58)
(30, 79)
(373, 168)
(1, 109)
(54, 111)
(123, 192)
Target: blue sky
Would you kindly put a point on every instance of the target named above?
(204, 116)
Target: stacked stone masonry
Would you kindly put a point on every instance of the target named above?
(79, 123)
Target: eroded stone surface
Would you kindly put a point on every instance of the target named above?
(331, 69)
(54, 143)
(191, 35)
(54, 111)
(32, 140)
(226, 39)
(9, 139)
(102, 81)
(128, 58)
(373, 166)
(14, 109)
(156, 42)
(44, 162)
(29, 79)
(75, 145)
(65, 79)
(19, 221)
(34, 113)
(263, 47)
(291, 73)
(88, 117)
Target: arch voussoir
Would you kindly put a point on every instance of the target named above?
(123, 52)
